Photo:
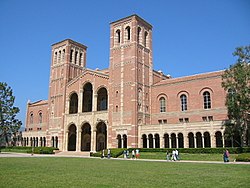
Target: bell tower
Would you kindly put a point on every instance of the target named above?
(67, 62)
(130, 79)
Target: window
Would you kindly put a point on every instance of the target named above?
(181, 120)
(55, 58)
(162, 104)
(138, 35)
(59, 56)
(186, 120)
(71, 55)
(80, 59)
(116, 108)
(204, 118)
(76, 53)
(31, 118)
(210, 118)
(73, 104)
(207, 100)
(183, 102)
(128, 33)
(118, 36)
(40, 117)
(145, 38)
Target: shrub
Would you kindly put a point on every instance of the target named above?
(244, 157)
(115, 152)
(28, 149)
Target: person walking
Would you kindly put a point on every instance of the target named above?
(133, 154)
(173, 156)
(137, 153)
(167, 155)
(109, 154)
(103, 154)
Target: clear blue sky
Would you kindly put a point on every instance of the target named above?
(189, 36)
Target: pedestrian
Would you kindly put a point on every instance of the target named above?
(226, 156)
(127, 154)
(102, 154)
(177, 155)
(124, 154)
(137, 153)
(173, 156)
(133, 154)
(167, 155)
(109, 154)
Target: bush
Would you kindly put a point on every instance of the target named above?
(28, 149)
(244, 157)
(115, 152)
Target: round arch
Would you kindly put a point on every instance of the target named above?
(72, 137)
(101, 136)
(86, 137)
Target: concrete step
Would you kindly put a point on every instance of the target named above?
(73, 153)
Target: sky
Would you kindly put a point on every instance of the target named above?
(189, 36)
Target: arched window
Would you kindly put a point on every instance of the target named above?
(76, 53)
(59, 56)
(87, 98)
(40, 117)
(55, 58)
(31, 118)
(162, 104)
(139, 35)
(127, 33)
(207, 100)
(118, 36)
(102, 99)
(145, 39)
(183, 102)
(80, 59)
(73, 106)
(71, 55)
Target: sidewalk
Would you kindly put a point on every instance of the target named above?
(9, 154)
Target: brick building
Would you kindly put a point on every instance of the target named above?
(126, 105)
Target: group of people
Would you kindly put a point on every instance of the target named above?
(135, 154)
(175, 155)
(103, 154)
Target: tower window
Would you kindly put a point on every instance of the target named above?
(80, 59)
(138, 35)
(76, 53)
(40, 117)
(118, 36)
(71, 55)
(31, 118)
(55, 58)
(145, 38)
(59, 57)
(128, 33)
(207, 100)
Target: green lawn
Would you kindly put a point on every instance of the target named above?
(187, 156)
(87, 172)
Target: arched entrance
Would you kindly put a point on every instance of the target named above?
(166, 140)
(191, 140)
(207, 140)
(125, 141)
(150, 138)
(144, 141)
(218, 138)
(198, 140)
(72, 138)
(157, 141)
(173, 140)
(119, 140)
(180, 140)
(86, 137)
(101, 136)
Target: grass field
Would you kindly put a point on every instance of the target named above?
(188, 156)
(87, 172)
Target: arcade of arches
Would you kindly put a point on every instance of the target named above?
(87, 138)
(197, 140)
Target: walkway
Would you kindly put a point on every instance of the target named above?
(9, 154)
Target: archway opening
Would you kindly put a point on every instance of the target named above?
(72, 138)
(101, 136)
(86, 137)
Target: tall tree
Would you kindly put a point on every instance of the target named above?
(236, 81)
(9, 124)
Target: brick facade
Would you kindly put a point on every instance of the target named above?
(127, 105)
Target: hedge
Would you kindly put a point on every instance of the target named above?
(244, 157)
(115, 152)
(28, 149)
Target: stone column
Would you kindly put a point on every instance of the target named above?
(147, 142)
(78, 140)
(213, 141)
(94, 105)
(80, 101)
(186, 141)
(154, 142)
(203, 141)
(177, 142)
(93, 140)
(122, 144)
(162, 143)
(195, 144)
(170, 142)
(223, 142)
(66, 140)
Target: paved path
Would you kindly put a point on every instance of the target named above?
(9, 154)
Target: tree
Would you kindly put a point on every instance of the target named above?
(9, 124)
(236, 81)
